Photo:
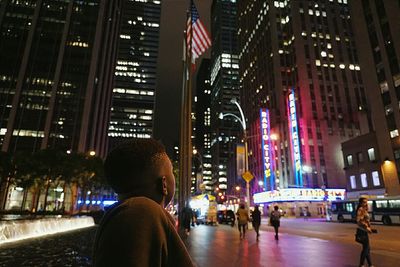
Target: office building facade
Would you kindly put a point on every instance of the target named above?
(298, 61)
(378, 44)
(57, 60)
(134, 93)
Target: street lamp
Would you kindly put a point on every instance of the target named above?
(242, 121)
(199, 182)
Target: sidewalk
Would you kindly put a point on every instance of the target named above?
(220, 246)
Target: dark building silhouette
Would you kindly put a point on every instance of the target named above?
(202, 130)
(56, 65)
(224, 82)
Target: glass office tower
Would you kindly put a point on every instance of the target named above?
(134, 93)
(57, 60)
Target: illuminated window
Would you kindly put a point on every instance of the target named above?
(363, 177)
(353, 183)
(350, 160)
(371, 154)
(375, 178)
(394, 133)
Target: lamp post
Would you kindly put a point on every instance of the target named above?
(199, 156)
(246, 165)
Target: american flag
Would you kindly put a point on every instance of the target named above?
(200, 41)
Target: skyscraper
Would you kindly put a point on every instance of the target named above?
(298, 60)
(132, 112)
(224, 83)
(202, 131)
(57, 59)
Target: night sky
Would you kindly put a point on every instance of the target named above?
(169, 80)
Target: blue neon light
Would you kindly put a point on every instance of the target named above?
(266, 147)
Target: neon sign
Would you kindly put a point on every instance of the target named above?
(294, 138)
(266, 148)
(300, 194)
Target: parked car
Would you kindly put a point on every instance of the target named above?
(226, 216)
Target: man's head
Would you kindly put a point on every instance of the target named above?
(141, 167)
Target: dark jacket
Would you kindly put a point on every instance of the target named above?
(139, 232)
(256, 217)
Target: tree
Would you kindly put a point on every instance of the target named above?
(25, 174)
(49, 168)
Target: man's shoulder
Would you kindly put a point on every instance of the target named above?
(142, 205)
(133, 207)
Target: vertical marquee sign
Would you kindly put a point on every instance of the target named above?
(294, 139)
(266, 149)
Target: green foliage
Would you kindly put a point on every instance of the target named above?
(49, 166)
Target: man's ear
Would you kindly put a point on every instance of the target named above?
(164, 185)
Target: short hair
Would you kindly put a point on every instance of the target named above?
(127, 166)
(276, 207)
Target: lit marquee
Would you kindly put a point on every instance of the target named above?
(300, 194)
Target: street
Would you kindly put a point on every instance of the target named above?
(302, 243)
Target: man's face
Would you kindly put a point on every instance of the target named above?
(169, 177)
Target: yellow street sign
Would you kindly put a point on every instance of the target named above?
(247, 176)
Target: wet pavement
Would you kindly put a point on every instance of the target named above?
(221, 246)
(210, 246)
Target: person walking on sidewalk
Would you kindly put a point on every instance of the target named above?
(185, 219)
(243, 219)
(363, 229)
(256, 220)
(275, 220)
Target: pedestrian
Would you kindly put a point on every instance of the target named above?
(243, 219)
(275, 220)
(363, 229)
(256, 220)
(186, 217)
(137, 230)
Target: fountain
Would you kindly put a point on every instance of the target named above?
(14, 230)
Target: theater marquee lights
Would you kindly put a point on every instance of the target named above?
(300, 194)
(294, 139)
(266, 148)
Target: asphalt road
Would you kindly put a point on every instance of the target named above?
(385, 242)
(302, 243)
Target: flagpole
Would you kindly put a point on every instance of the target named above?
(197, 41)
(185, 168)
(182, 170)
